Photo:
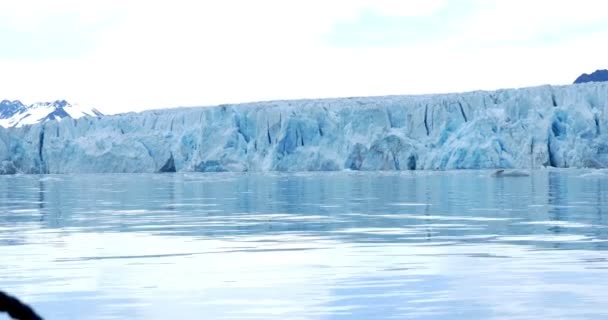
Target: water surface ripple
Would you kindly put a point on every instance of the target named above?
(424, 245)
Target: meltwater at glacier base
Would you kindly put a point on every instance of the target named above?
(547, 126)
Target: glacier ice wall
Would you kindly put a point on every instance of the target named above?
(565, 126)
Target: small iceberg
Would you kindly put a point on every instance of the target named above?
(595, 174)
(510, 173)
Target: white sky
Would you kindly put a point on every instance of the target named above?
(121, 55)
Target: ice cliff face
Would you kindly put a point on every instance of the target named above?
(533, 127)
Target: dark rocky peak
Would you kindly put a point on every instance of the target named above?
(597, 76)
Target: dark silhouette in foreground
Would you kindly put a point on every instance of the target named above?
(16, 309)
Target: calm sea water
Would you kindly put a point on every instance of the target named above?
(429, 245)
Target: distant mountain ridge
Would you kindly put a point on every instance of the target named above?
(597, 76)
(16, 114)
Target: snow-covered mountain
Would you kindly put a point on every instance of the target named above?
(548, 126)
(17, 114)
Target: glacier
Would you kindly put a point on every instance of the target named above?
(546, 126)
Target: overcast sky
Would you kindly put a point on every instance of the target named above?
(121, 55)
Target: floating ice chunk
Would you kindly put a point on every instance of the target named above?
(510, 173)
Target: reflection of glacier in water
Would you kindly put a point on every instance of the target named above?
(533, 127)
(427, 245)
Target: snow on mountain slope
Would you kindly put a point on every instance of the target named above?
(564, 126)
(16, 114)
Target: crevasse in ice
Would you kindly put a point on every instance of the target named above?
(563, 126)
